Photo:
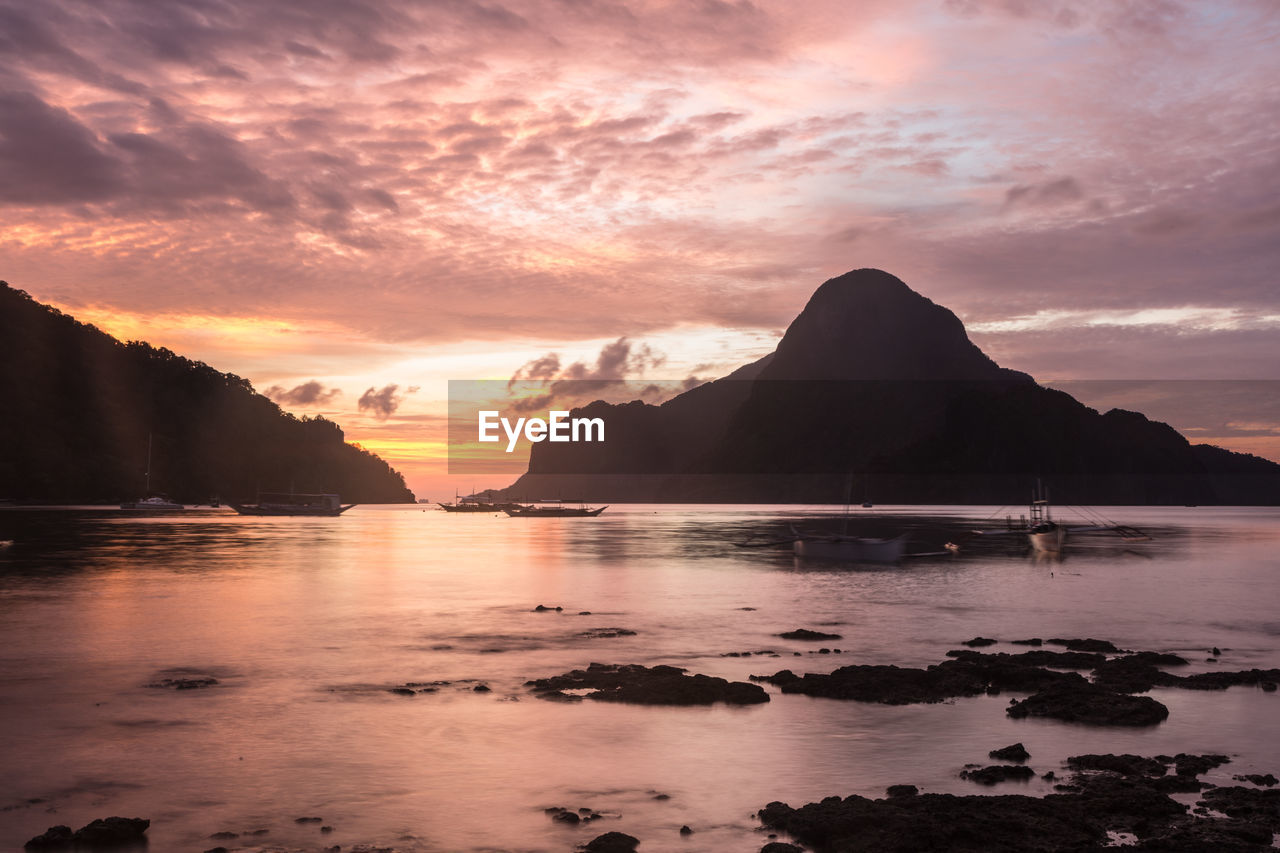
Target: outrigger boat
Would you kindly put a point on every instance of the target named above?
(1043, 532)
(554, 509)
(1047, 536)
(853, 549)
(471, 503)
(291, 503)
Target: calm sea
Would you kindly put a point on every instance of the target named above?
(306, 623)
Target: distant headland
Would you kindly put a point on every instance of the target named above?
(80, 409)
(875, 388)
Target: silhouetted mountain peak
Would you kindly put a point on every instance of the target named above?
(868, 324)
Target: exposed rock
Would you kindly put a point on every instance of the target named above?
(1124, 765)
(1223, 680)
(1137, 673)
(402, 691)
(998, 773)
(1039, 657)
(1087, 703)
(1034, 641)
(901, 791)
(1204, 834)
(1253, 804)
(1013, 752)
(542, 608)
(53, 838)
(482, 688)
(659, 685)
(1194, 765)
(612, 842)
(606, 633)
(193, 683)
(1265, 781)
(100, 833)
(936, 822)
(890, 685)
(308, 820)
(806, 634)
(978, 642)
(1089, 645)
(685, 830)
(781, 847)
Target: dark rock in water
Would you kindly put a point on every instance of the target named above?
(53, 838)
(1125, 764)
(890, 685)
(894, 791)
(1216, 652)
(1087, 703)
(1175, 784)
(542, 608)
(1209, 834)
(1034, 641)
(1089, 645)
(1137, 673)
(662, 797)
(612, 842)
(1049, 776)
(1194, 765)
(402, 691)
(224, 836)
(605, 633)
(197, 683)
(102, 832)
(1040, 657)
(659, 685)
(780, 847)
(1267, 686)
(112, 830)
(482, 688)
(806, 634)
(1013, 752)
(326, 829)
(937, 822)
(1223, 680)
(1265, 781)
(308, 820)
(685, 830)
(559, 814)
(998, 773)
(1253, 804)
(977, 642)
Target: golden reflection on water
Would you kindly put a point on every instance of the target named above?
(307, 622)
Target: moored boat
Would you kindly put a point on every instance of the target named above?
(1043, 532)
(853, 549)
(154, 502)
(554, 509)
(292, 503)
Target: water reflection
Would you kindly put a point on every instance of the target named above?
(306, 623)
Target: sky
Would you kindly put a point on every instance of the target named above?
(351, 202)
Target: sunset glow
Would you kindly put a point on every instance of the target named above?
(397, 194)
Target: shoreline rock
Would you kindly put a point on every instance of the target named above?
(640, 685)
(103, 832)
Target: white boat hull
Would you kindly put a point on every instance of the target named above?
(852, 549)
(1050, 541)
